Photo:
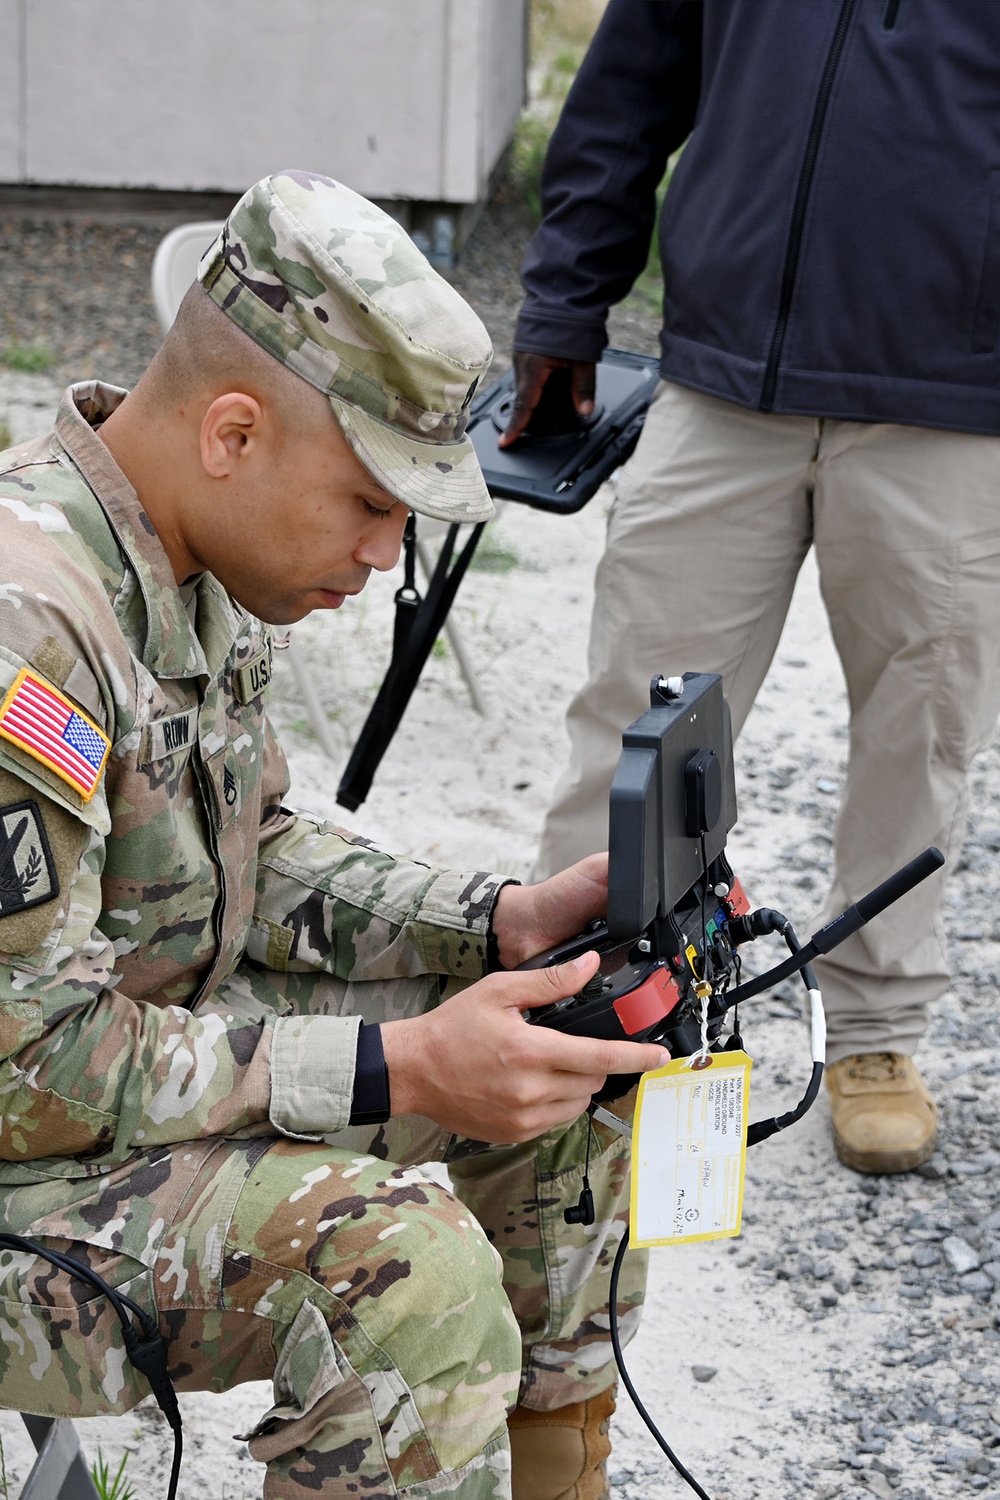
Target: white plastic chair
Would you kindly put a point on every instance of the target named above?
(175, 266)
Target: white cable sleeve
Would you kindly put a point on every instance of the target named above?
(818, 1027)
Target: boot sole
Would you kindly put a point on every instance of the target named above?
(883, 1163)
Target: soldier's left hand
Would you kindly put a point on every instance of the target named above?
(530, 918)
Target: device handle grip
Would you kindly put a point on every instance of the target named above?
(877, 900)
(897, 885)
(841, 927)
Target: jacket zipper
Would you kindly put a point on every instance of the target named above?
(802, 192)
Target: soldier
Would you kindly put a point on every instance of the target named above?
(231, 1032)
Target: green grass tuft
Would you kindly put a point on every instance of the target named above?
(117, 1488)
(560, 33)
(27, 359)
(494, 556)
(531, 137)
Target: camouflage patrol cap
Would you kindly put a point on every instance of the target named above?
(337, 291)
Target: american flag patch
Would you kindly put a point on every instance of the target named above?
(38, 719)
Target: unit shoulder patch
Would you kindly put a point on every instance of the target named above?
(28, 874)
(38, 719)
(40, 848)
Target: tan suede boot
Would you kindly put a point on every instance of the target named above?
(560, 1455)
(884, 1120)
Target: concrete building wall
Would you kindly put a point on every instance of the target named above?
(10, 91)
(402, 99)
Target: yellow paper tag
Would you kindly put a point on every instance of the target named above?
(689, 1151)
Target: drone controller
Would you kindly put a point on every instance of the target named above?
(677, 917)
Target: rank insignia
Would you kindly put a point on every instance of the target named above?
(38, 719)
(27, 870)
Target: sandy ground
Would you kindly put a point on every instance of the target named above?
(853, 1346)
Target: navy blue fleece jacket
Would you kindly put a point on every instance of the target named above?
(831, 237)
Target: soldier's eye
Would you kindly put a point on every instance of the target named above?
(377, 511)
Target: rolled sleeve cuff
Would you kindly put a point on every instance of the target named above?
(313, 1059)
(454, 920)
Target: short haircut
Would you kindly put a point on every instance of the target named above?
(205, 354)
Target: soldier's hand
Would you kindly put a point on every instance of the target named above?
(531, 371)
(529, 918)
(476, 1067)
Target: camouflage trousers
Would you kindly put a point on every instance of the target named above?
(397, 1321)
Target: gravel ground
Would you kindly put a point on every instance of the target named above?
(847, 1342)
(77, 286)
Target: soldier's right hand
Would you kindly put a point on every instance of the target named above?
(476, 1067)
(531, 371)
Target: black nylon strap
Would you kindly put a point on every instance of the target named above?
(405, 668)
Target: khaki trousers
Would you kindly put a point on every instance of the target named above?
(713, 517)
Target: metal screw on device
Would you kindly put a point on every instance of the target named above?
(671, 687)
(644, 945)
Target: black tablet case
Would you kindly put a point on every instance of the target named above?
(561, 471)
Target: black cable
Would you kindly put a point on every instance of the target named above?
(794, 946)
(756, 924)
(762, 1130)
(147, 1353)
(627, 1380)
(584, 1212)
(704, 911)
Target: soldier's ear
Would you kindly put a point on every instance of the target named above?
(232, 431)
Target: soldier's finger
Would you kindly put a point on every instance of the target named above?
(528, 988)
(598, 1057)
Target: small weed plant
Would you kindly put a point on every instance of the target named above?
(27, 359)
(108, 1487)
(493, 555)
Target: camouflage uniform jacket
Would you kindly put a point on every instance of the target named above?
(121, 911)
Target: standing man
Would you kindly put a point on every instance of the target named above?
(230, 1032)
(831, 377)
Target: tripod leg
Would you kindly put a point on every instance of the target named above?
(311, 702)
(59, 1472)
(454, 639)
(404, 670)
